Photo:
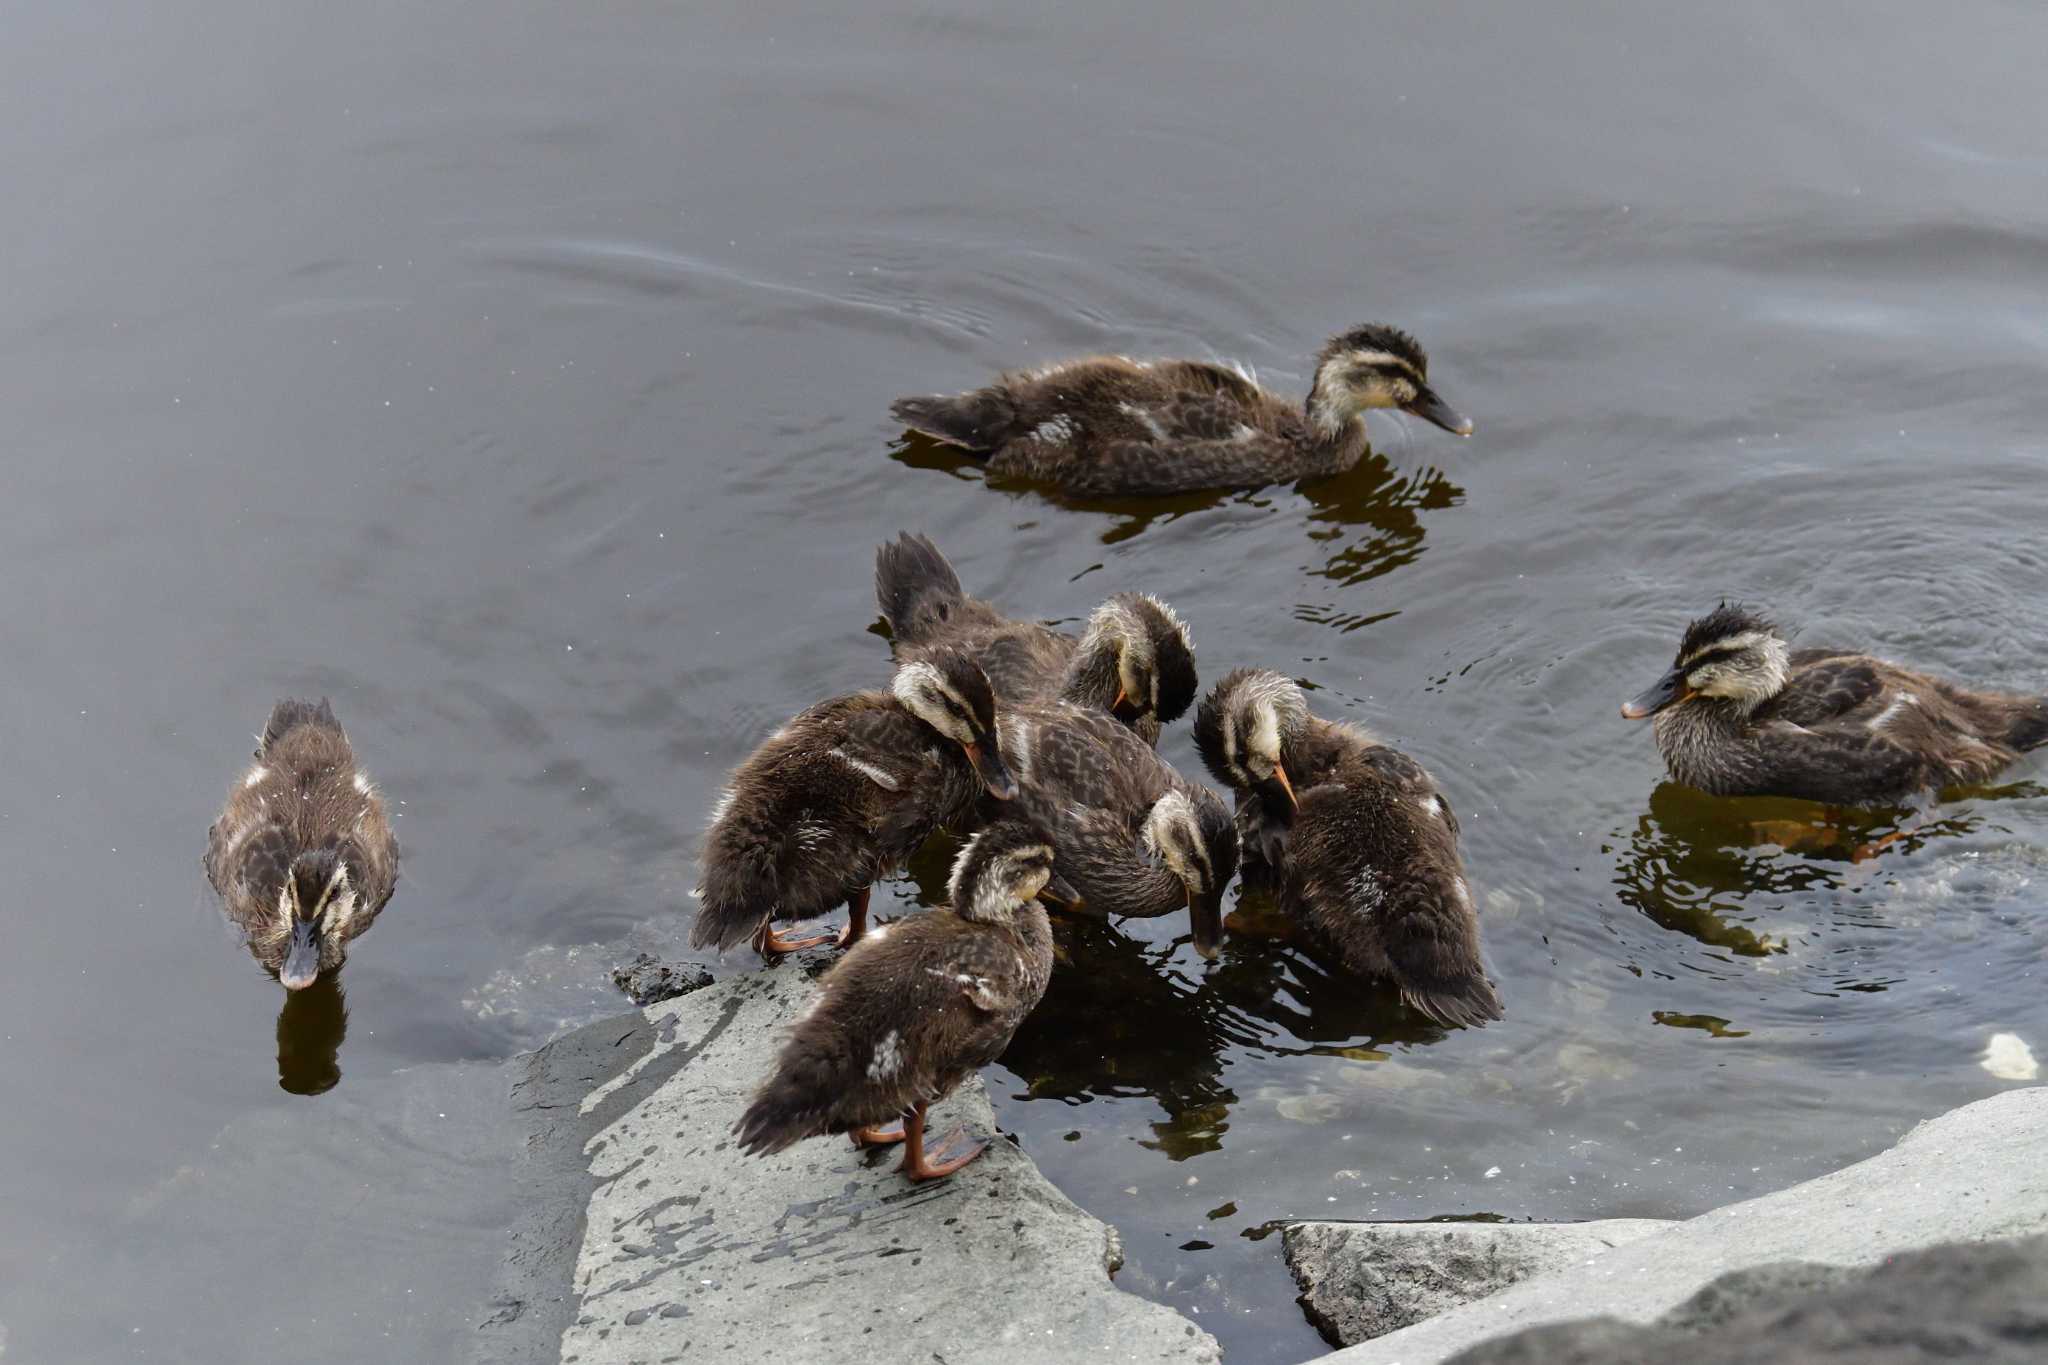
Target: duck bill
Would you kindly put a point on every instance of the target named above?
(301, 958)
(1430, 408)
(994, 773)
(1668, 691)
(1123, 708)
(1280, 776)
(1205, 917)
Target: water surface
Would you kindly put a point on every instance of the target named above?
(517, 375)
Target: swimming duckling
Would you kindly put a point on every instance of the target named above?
(1136, 658)
(840, 795)
(1109, 425)
(914, 1009)
(302, 856)
(1740, 713)
(1135, 838)
(1361, 843)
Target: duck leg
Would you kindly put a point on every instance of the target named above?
(856, 921)
(941, 1163)
(769, 943)
(878, 1135)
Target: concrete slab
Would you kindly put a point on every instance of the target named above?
(824, 1254)
(1364, 1280)
(1974, 1174)
(1984, 1302)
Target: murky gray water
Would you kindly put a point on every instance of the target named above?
(517, 375)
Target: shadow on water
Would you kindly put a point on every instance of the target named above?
(1122, 1019)
(1369, 519)
(1366, 520)
(310, 1028)
(1705, 865)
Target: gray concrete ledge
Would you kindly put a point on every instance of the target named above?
(1363, 1280)
(691, 1250)
(1984, 1302)
(1975, 1174)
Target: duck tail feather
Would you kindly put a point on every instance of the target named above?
(978, 422)
(797, 1101)
(1431, 937)
(1468, 1003)
(289, 714)
(915, 587)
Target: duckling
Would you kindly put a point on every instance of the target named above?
(302, 856)
(1360, 841)
(1741, 713)
(914, 1009)
(1135, 838)
(840, 795)
(1136, 658)
(1109, 425)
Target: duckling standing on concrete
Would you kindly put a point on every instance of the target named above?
(842, 794)
(1740, 713)
(914, 1009)
(1108, 425)
(302, 856)
(1135, 660)
(1362, 845)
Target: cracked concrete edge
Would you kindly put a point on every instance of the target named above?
(1976, 1173)
(551, 1089)
(823, 1253)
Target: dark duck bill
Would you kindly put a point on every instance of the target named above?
(1668, 690)
(1430, 408)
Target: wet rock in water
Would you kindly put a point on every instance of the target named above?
(1982, 1302)
(647, 980)
(823, 1253)
(1975, 1174)
(1363, 1280)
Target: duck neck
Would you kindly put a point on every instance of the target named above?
(1336, 430)
(1117, 877)
(1092, 679)
(1706, 743)
(1034, 935)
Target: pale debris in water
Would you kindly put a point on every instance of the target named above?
(2008, 1057)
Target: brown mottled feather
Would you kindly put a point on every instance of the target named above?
(300, 796)
(914, 1008)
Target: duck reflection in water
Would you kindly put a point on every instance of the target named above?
(1121, 1020)
(310, 1029)
(1369, 522)
(1698, 864)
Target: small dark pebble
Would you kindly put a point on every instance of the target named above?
(647, 980)
(1198, 1245)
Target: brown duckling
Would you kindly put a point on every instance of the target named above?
(1109, 425)
(1135, 838)
(917, 1007)
(302, 856)
(1136, 658)
(840, 795)
(1361, 843)
(1741, 713)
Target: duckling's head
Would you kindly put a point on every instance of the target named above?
(1375, 366)
(1244, 724)
(1155, 656)
(949, 692)
(1194, 837)
(999, 871)
(1730, 654)
(314, 907)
